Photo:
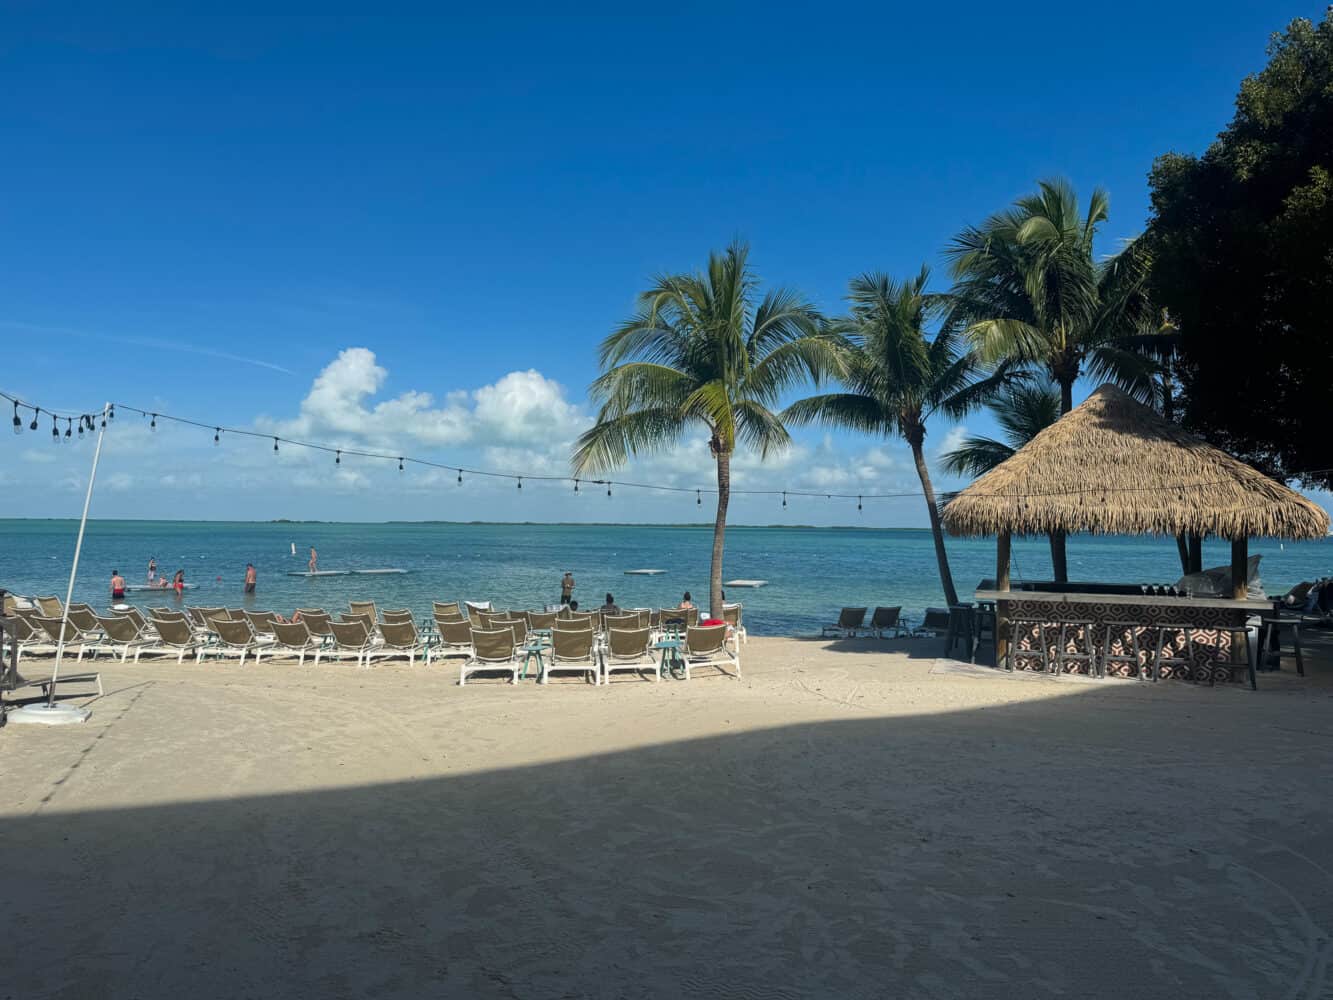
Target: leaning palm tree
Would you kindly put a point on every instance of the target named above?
(896, 379)
(1028, 291)
(1023, 411)
(704, 350)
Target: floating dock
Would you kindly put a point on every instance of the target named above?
(347, 572)
(644, 572)
(745, 583)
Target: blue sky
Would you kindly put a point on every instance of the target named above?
(410, 232)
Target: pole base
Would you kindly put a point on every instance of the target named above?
(48, 715)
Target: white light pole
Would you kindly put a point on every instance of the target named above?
(51, 713)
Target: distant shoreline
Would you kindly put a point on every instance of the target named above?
(512, 524)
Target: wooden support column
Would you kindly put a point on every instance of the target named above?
(1196, 554)
(1002, 606)
(1240, 576)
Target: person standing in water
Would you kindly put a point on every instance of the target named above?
(117, 586)
(178, 583)
(250, 578)
(567, 588)
(314, 560)
(152, 571)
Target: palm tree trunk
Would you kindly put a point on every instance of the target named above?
(1059, 563)
(1066, 395)
(1183, 549)
(719, 534)
(942, 557)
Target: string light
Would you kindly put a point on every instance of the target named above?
(18, 421)
(81, 420)
(520, 482)
(858, 503)
(698, 498)
(400, 463)
(576, 485)
(460, 477)
(35, 410)
(338, 458)
(152, 424)
(784, 499)
(111, 411)
(55, 431)
(275, 444)
(217, 434)
(608, 488)
(69, 428)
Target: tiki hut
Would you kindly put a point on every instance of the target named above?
(1113, 466)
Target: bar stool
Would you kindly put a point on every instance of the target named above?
(1236, 633)
(1020, 626)
(983, 621)
(960, 628)
(1082, 633)
(1273, 627)
(1134, 657)
(1159, 660)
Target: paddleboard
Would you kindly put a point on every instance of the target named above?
(140, 588)
(745, 583)
(347, 572)
(644, 572)
(377, 572)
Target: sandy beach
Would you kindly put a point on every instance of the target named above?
(853, 819)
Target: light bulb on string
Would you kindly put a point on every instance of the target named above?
(576, 485)
(275, 444)
(55, 431)
(69, 428)
(338, 457)
(217, 434)
(81, 421)
(858, 503)
(460, 477)
(152, 424)
(35, 410)
(698, 498)
(520, 482)
(18, 421)
(784, 499)
(608, 487)
(111, 412)
(400, 463)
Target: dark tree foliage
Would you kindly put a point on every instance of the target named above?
(1242, 239)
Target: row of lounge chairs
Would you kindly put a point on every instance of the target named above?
(594, 643)
(886, 622)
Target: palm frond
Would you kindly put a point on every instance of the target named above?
(975, 456)
(611, 441)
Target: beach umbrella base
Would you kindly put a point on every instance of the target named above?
(48, 715)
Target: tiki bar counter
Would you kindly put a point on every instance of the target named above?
(1114, 466)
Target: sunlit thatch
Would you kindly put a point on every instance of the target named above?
(1114, 466)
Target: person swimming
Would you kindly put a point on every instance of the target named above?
(117, 586)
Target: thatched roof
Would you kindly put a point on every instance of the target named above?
(1114, 466)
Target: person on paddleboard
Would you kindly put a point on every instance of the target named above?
(314, 560)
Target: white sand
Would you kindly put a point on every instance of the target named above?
(842, 823)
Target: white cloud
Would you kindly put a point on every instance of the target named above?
(953, 438)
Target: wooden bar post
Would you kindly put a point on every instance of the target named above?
(1001, 606)
(1240, 568)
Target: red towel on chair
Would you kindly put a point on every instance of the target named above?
(712, 621)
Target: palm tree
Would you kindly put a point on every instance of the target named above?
(896, 379)
(1028, 291)
(704, 350)
(1023, 411)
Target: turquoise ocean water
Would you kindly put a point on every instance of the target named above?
(811, 572)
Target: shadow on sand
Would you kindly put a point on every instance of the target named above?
(1075, 846)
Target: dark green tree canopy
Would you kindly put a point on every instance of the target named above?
(1242, 244)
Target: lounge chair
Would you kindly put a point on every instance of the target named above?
(235, 637)
(174, 634)
(397, 615)
(687, 617)
(575, 620)
(136, 616)
(492, 649)
(291, 637)
(364, 619)
(20, 635)
(627, 649)
(399, 639)
(887, 620)
(706, 645)
(122, 631)
(363, 608)
(317, 622)
(572, 649)
(261, 621)
(447, 608)
(935, 622)
(50, 607)
(455, 639)
(519, 626)
(349, 639)
(621, 622)
(850, 621)
(540, 619)
(473, 606)
(74, 636)
(733, 615)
